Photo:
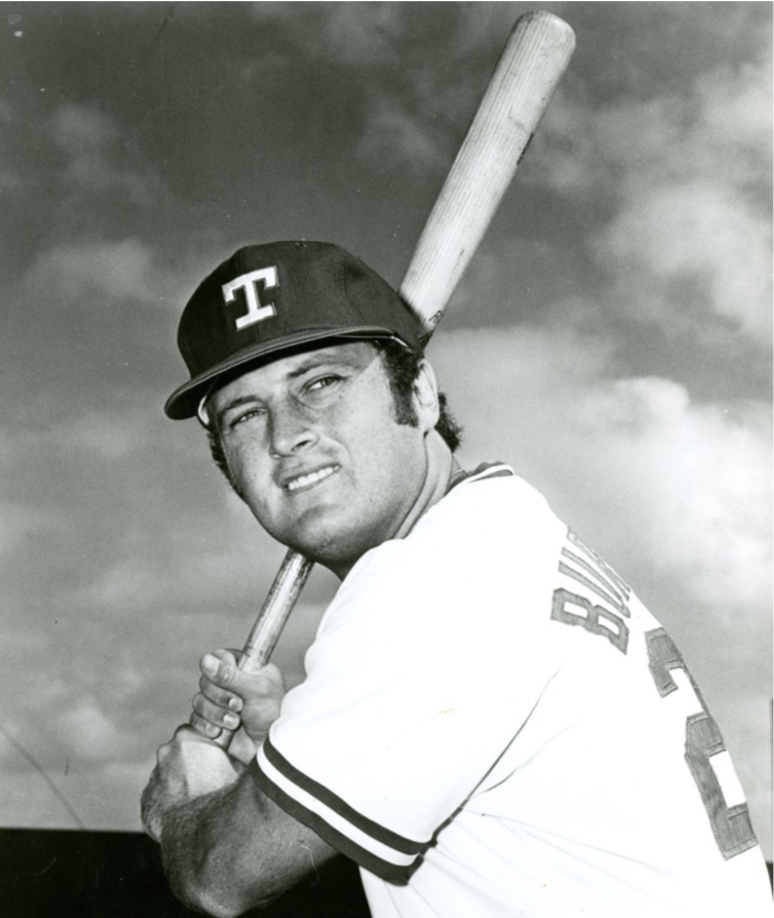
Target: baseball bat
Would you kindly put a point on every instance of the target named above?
(534, 59)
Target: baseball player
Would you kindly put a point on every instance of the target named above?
(492, 724)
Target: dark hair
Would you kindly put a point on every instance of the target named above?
(401, 363)
(402, 366)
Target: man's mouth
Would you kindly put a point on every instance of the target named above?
(304, 481)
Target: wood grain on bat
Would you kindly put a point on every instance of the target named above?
(534, 59)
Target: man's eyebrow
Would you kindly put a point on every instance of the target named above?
(234, 403)
(315, 362)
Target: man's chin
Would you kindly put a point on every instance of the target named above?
(331, 543)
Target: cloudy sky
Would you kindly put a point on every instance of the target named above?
(611, 339)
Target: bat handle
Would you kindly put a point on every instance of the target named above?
(260, 643)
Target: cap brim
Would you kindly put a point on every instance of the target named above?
(184, 401)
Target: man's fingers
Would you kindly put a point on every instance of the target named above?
(213, 713)
(219, 696)
(221, 668)
(232, 698)
(203, 726)
(222, 671)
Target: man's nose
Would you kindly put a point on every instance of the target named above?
(290, 432)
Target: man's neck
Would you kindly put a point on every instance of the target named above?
(441, 465)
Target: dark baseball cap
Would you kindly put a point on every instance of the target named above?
(269, 298)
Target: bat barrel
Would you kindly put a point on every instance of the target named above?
(532, 63)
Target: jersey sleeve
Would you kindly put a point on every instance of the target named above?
(426, 666)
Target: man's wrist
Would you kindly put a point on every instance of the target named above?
(188, 831)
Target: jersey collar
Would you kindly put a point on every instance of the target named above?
(484, 471)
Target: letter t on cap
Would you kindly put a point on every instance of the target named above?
(249, 283)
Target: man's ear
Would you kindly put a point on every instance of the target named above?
(425, 397)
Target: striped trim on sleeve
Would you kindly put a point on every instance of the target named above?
(371, 845)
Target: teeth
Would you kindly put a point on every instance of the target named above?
(311, 478)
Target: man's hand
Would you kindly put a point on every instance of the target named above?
(188, 766)
(241, 700)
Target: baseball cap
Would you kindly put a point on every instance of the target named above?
(269, 298)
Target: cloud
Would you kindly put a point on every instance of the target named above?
(719, 126)
(96, 435)
(92, 736)
(101, 796)
(103, 435)
(395, 135)
(19, 521)
(687, 245)
(696, 485)
(10, 181)
(91, 142)
(78, 129)
(364, 34)
(120, 269)
(673, 487)
(693, 245)
(92, 337)
(413, 80)
(734, 124)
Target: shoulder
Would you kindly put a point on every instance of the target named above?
(490, 503)
(490, 535)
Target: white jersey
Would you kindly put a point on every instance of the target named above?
(494, 725)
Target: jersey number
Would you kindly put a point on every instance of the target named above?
(730, 824)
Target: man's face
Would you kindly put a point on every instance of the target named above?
(314, 448)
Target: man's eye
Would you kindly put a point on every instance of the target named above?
(322, 382)
(246, 416)
(321, 391)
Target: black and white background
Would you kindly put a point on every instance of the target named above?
(612, 339)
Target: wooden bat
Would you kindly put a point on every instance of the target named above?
(534, 60)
